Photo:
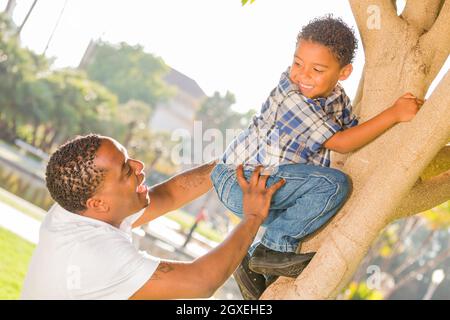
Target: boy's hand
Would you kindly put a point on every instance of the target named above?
(256, 197)
(406, 107)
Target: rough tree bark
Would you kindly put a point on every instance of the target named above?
(389, 180)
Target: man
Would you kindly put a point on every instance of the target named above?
(201, 216)
(85, 250)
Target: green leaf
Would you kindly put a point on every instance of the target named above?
(244, 2)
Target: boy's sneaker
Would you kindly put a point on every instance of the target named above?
(251, 284)
(271, 262)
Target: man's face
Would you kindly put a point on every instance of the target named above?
(123, 189)
(315, 70)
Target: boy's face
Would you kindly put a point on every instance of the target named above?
(315, 70)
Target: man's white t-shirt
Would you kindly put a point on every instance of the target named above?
(82, 258)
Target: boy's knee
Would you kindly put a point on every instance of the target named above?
(345, 185)
(340, 184)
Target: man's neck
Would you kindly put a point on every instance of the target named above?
(104, 217)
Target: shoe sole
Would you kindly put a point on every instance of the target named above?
(288, 269)
(246, 294)
(244, 282)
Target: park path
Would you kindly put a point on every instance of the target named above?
(28, 228)
(19, 223)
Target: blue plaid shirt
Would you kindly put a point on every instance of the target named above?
(291, 128)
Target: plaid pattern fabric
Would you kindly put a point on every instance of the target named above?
(291, 128)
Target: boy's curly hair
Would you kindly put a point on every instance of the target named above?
(334, 34)
(71, 175)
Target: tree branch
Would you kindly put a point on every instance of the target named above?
(341, 244)
(440, 164)
(421, 14)
(371, 14)
(359, 92)
(425, 195)
(435, 110)
(394, 4)
(435, 43)
(338, 159)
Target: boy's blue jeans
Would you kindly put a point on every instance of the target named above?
(311, 196)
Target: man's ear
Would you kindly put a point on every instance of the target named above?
(97, 205)
(345, 72)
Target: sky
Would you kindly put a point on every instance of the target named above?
(220, 44)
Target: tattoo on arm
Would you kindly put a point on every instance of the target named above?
(163, 267)
(194, 177)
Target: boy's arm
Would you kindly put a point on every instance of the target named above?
(404, 109)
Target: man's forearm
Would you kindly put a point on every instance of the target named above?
(358, 136)
(218, 265)
(189, 185)
(177, 192)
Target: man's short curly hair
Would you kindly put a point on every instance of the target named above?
(334, 34)
(71, 175)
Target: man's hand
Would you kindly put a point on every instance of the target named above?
(203, 276)
(406, 107)
(256, 197)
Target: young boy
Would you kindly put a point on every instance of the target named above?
(306, 116)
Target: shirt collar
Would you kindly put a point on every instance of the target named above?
(58, 216)
(286, 85)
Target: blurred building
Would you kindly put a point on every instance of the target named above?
(179, 111)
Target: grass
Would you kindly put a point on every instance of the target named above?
(15, 254)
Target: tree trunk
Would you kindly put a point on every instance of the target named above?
(35, 131)
(386, 172)
(48, 132)
(51, 142)
(129, 135)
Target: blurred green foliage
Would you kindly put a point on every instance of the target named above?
(360, 291)
(216, 113)
(113, 95)
(404, 254)
(128, 71)
(15, 254)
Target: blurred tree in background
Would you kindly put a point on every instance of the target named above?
(137, 78)
(128, 71)
(113, 92)
(46, 107)
(19, 69)
(77, 106)
(216, 113)
(401, 263)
